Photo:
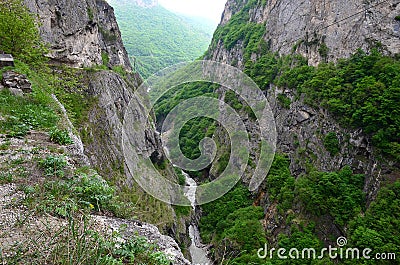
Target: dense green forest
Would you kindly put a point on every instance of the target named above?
(156, 38)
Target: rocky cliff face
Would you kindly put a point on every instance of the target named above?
(85, 33)
(306, 26)
(81, 33)
(303, 27)
(320, 31)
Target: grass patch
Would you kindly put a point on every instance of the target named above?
(5, 178)
(104, 58)
(6, 145)
(71, 92)
(60, 196)
(23, 114)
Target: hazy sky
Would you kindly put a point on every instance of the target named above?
(211, 9)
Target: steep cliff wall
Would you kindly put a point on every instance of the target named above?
(320, 31)
(85, 33)
(81, 33)
(306, 26)
(302, 28)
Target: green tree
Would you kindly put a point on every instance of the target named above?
(339, 194)
(331, 143)
(378, 228)
(19, 33)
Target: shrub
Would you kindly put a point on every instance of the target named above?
(60, 137)
(19, 32)
(53, 165)
(232, 100)
(93, 191)
(280, 183)
(331, 143)
(181, 177)
(323, 51)
(284, 100)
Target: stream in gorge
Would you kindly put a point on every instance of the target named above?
(197, 250)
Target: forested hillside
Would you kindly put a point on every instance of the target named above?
(319, 188)
(158, 38)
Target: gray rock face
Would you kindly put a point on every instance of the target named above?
(104, 127)
(343, 26)
(133, 228)
(81, 33)
(85, 33)
(103, 137)
(6, 60)
(231, 8)
(301, 132)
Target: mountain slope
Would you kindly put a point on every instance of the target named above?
(84, 45)
(336, 173)
(156, 37)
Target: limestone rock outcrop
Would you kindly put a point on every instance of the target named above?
(81, 33)
(85, 33)
(305, 26)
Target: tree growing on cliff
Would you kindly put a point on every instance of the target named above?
(19, 33)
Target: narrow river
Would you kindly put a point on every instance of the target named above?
(197, 250)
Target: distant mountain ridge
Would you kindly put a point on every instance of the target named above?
(156, 38)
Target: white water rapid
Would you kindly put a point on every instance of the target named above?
(197, 250)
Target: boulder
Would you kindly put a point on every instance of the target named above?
(17, 83)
